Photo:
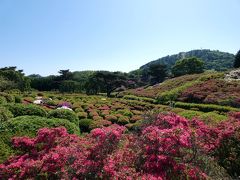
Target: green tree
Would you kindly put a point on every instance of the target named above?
(105, 81)
(68, 86)
(237, 60)
(16, 77)
(65, 74)
(157, 73)
(184, 66)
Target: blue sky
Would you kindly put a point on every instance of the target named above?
(44, 36)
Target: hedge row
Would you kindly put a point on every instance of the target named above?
(205, 107)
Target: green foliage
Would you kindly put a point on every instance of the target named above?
(105, 81)
(21, 110)
(122, 120)
(157, 73)
(82, 115)
(17, 99)
(178, 87)
(3, 100)
(9, 98)
(5, 114)
(229, 153)
(84, 125)
(6, 84)
(191, 65)
(111, 118)
(189, 114)
(212, 117)
(144, 99)
(219, 61)
(99, 124)
(125, 112)
(64, 114)
(205, 107)
(173, 94)
(16, 79)
(28, 126)
(237, 60)
(68, 86)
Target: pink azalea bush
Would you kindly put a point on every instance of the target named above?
(169, 147)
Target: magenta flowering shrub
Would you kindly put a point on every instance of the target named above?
(168, 147)
(55, 154)
(213, 91)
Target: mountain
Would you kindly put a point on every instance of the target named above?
(214, 59)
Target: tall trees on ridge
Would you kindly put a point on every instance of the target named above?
(237, 60)
(184, 66)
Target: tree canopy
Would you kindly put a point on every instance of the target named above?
(184, 66)
(237, 60)
(157, 73)
(105, 81)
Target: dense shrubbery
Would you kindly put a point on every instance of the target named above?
(167, 147)
(64, 114)
(28, 126)
(21, 110)
(9, 98)
(5, 114)
(84, 125)
(214, 92)
(205, 107)
(132, 97)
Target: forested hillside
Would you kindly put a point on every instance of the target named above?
(216, 60)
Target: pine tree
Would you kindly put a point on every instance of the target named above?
(237, 60)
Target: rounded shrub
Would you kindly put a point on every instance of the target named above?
(5, 114)
(97, 118)
(77, 110)
(84, 125)
(28, 126)
(3, 100)
(111, 118)
(21, 110)
(99, 124)
(125, 112)
(123, 120)
(64, 114)
(93, 113)
(135, 118)
(82, 115)
(9, 98)
(18, 99)
(104, 113)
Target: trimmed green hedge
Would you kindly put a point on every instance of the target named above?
(64, 114)
(22, 110)
(5, 114)
(144, 99)
(84, 125)
(205, 107)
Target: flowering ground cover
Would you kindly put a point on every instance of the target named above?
(131, 136)
(166, 147)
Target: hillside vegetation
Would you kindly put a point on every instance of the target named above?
(217, 60)
(207, 88)
(91, 125)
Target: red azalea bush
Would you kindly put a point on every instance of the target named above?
(167, 147)
(213, 91)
